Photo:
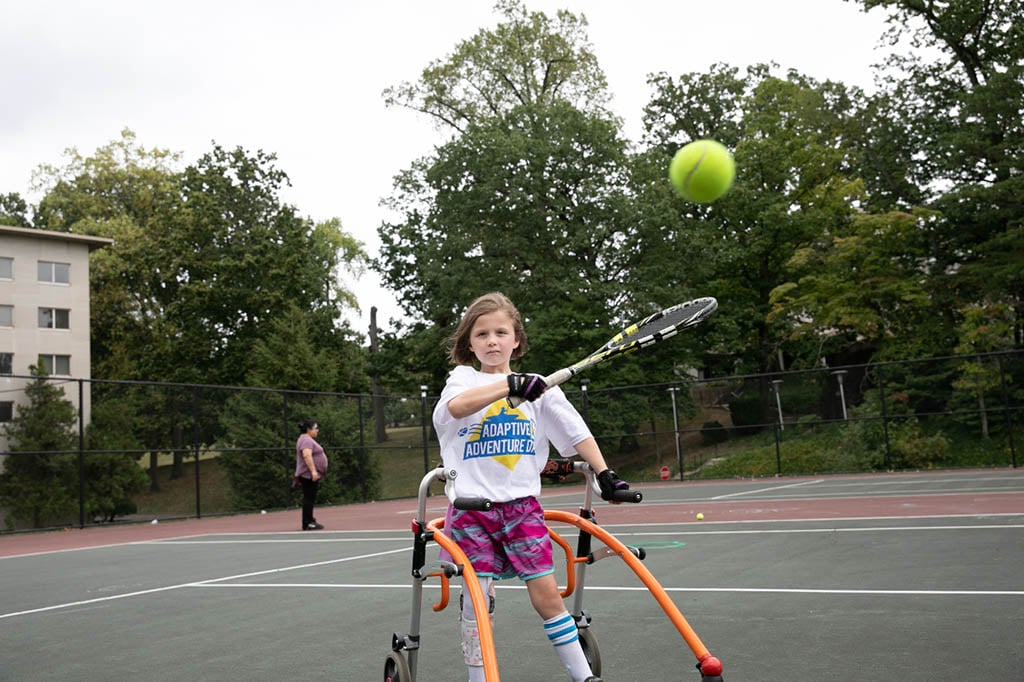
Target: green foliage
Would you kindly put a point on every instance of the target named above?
(40, 485)
(513, 207)
(40, 479)
(112, 473)
(747, 409)
(712, 433)
(527, 59)
(204, 258)
(259, 426)
(13, 210)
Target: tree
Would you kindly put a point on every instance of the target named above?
(528, 59)
(204, 258)
(40, 478)
(260, 427)
(863, 286)
(13, 210)
(527, 197)
(530, 204)
(115, 193)
(793, 187)
(233, 257)
(968, 141)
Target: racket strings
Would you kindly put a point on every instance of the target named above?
(667, 323)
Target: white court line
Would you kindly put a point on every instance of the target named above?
(685, 526)
(767, 490)
(842, 495)
(866, 529)
(272, 541)
(738, 590)
(85, 602)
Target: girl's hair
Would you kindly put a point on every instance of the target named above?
(306, 425)
(458, 342)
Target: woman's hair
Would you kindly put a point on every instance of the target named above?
(306, 425)
(458, 342)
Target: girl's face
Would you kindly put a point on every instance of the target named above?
(492, 340)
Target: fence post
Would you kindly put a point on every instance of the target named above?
(885, 421)
(675, 430)
(195, 445)
(287, 443)
(838, 374)
(1007, 411)
(586, 403)
(778, 402)
(423, 424)
(362, 442)
(81, 456)
(777, 428)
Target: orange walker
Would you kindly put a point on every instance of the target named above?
(400, 665)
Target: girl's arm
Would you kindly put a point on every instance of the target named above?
(475, 399)
(590, 451)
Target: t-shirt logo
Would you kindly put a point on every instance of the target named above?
(504, 435)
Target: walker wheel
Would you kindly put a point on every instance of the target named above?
(590, 649)
(396, 669)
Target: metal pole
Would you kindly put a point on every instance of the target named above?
(842, 394)
(423, 423)
(81, 456)
(195, 445)
(778, 402)
(675, 430)
(1006, 411)
(362, 444)
(586, 403)
(885, 421)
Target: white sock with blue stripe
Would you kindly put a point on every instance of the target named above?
(563, 634)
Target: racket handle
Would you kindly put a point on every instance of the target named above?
(634, 496)
(472, 503)
(559, 377)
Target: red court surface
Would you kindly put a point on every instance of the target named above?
(903, 495)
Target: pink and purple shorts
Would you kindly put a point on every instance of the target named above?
(508, 541)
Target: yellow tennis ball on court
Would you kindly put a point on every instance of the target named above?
(700, 516)
(702, 171)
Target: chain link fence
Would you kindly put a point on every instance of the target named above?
(156, 451)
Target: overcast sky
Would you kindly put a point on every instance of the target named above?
(303, 79)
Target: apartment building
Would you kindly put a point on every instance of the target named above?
(44, 312)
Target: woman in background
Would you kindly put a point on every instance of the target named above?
(310, 467)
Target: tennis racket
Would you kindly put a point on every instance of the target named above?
(648, 331)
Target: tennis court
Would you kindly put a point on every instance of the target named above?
(882, 577)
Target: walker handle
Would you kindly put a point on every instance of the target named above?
(634, 496)
(473, 503)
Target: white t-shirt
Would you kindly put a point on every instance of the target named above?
(499, 452)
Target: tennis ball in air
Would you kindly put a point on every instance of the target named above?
(702, 171)
(700, 516)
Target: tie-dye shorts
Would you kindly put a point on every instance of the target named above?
(511, 540)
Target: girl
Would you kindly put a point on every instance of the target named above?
(498, 452)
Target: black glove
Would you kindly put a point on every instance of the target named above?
(526, 386)
(608, 481)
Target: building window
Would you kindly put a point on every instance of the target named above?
(6, 363)
(6, 268)
(6, 315)
(54, 318)
(57, 273)
(6, 411)
(56, 365)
